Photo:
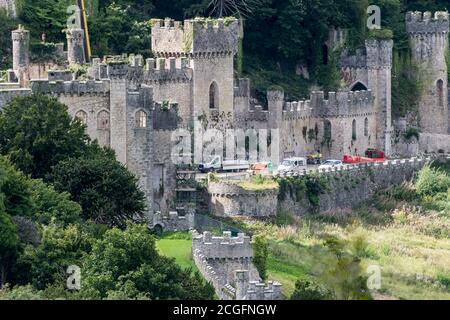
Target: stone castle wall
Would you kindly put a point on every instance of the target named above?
(345, 188)
(320, 123)
(232, 200)
(226, 262)
(7, 94)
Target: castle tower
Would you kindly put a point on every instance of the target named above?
(429, 44)
(118, 72)
(211, 45)
(21, 55)
(379, 71)
(75, 46)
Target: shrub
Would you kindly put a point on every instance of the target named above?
(260, 252)
(444, 279)
(431, 182)
(308, 290)
(411, 133)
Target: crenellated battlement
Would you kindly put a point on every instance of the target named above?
(195, 37)
(426, 23)
(71, 87)
(225, 262)
(225, 247)
(338, 104)
(168, 70)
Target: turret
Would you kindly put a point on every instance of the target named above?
(428, 36)
(21, 47)
(379, 68)
(75, 46)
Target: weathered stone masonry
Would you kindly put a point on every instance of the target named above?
(345, 188)
(226, 262)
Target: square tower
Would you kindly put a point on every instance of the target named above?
(211, 45)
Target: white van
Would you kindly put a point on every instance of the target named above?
(292, 165)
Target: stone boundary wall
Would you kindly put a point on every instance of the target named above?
(217, 256)
(71, 87)
(225, 247)
(232, 200)
(174, 221)
(338, 104)
(347, 186)
(434, 142)
(6, 95)
(343, 103)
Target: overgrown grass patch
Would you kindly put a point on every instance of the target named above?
(179, 246)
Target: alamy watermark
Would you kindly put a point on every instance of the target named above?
(74, 278)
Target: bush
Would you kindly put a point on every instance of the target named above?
(411, 133)
(308, 290)
(261, 252)
(431, 182)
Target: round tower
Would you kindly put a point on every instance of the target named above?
(75, 46)
(21, 45)
(428, 36)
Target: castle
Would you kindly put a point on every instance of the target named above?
(135, 106)
(226, 262)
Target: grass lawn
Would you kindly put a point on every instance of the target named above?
(412, 251)
(180, 249)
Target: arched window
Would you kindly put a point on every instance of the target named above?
(141, 119)
(81, 116)
(103, 120)
(354, 130)
(359, 86)
(213, 96)
(440, 92)
(366, 127)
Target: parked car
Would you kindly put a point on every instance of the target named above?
(331, 164)
(292, 164)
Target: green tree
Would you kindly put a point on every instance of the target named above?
(261, 252)
(7, 24)
(36, 132)
(432, 181)
(47, 263)
(105, 189)
(34, 199)
(126, 263)
(45, 16)
(306, 289)
(343, 274)
(9, 245)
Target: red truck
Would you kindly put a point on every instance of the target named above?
(372, 155)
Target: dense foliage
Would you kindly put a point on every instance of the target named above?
(37, 132)
(103, 187)
(42, 140)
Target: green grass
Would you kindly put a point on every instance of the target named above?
(409, 243)
(180, 249)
